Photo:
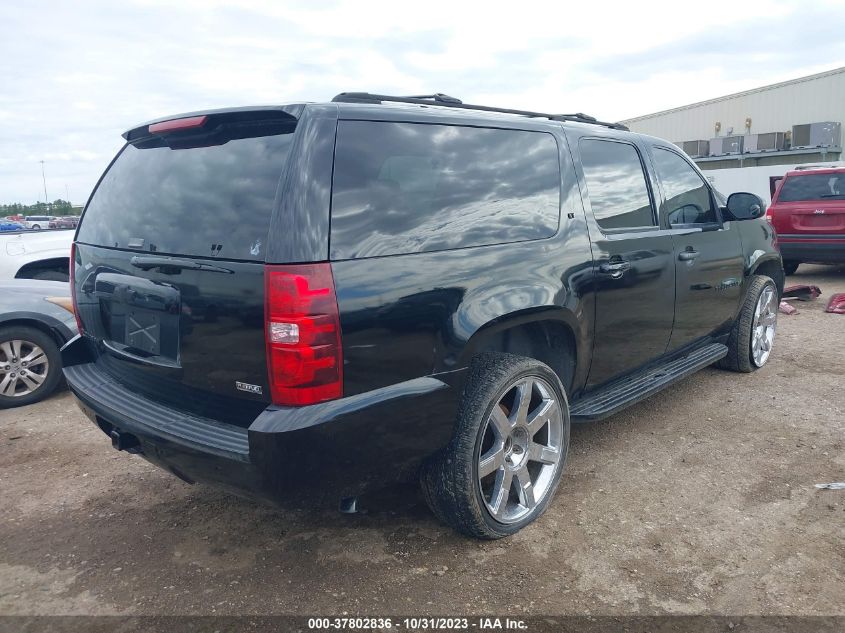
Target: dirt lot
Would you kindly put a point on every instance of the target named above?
(700, 500)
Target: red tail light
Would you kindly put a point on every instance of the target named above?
(302, 330)
(72, 272)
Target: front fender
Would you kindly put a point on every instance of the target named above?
(759, 243)
(760, 251)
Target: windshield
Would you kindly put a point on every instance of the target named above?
(211, 201)
(813, 187)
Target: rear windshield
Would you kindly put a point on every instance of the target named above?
(813, 187)
(213, 201)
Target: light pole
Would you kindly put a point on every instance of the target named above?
(44, 178)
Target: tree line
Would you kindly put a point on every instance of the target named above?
(57, 207)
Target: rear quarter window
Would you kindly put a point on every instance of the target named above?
(411, 187)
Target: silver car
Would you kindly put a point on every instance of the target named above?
(36, 319)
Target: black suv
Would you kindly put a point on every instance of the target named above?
(327, 297)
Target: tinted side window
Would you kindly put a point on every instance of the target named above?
(687, 196)
(411, 187)
(616, 184)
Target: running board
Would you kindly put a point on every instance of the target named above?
(642, 384)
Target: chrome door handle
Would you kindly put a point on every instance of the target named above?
(615, 268)
(688, 256)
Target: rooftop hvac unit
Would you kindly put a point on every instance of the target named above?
(696, 149)
(749, 143)
(771, 142)
(732, 145)
(825, 134)
(768, 142)
(716, 146)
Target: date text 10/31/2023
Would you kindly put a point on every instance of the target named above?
(418, 623)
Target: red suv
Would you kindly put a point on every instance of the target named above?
(808, 213)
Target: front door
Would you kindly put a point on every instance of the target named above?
(632, 259)
(708, 252)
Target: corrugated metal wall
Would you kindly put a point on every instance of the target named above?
(773, 108)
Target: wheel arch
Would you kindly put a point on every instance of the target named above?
(545, 334)
(771, 267)
(60, 264)
(53, 328)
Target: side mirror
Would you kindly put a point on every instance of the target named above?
(745, 206)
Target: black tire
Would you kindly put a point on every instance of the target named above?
(51, 275)
(790, 266)
(36, 227)
(53, 370)
(740, 357)
(450, 480)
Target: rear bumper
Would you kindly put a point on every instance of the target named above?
(825, 250)
(338, 448)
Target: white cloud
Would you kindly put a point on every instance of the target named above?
(76, 75)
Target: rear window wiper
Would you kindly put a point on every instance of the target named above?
(168, 265)
(832, 195)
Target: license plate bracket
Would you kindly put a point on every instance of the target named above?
(143, 331)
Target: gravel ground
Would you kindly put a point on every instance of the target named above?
(699, 500)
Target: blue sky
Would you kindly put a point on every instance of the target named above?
(76, 75)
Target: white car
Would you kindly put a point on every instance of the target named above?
(35, 255)
(37, 222)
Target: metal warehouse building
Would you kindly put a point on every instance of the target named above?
(789, 123)
(747, 141)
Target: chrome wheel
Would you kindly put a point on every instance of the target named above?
(521, 449)
(23, 368)
(764, 326)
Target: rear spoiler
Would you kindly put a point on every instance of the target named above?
(208, 120)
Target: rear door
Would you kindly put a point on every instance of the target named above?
(170, 260)
(708, 253)
(632, 258)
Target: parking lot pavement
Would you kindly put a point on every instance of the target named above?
(699, 500)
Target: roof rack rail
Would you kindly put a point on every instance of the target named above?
(441, 99)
